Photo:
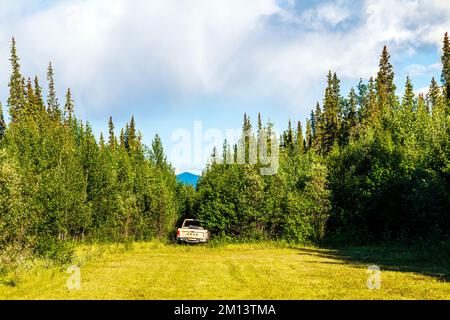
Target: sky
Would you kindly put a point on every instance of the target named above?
(189, 69)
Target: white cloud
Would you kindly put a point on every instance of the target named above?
(108, 50)
(111, 50)
(418, 69)
(423, 91)
(329, 13)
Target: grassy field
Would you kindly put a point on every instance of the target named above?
(157, 271)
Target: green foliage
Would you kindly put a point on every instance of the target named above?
(392, 182)
(16, 99)
(371, 169)
(384, 83)
(52, 101)
(59, 185)
(235, 200)
(330, 119)
(445, 75)
(2, 123)
(367, 169)
(12, 211)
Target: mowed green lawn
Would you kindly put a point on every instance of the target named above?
(158, 271)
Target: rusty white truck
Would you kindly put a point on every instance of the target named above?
(192, 232)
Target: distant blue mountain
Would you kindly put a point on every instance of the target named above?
(188, 178)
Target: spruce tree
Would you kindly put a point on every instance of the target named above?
(111, 138)
(308, 140)
(16, 99)
(260, 125)
(331, 110)
(68, 107)
(122, 139)
(39, 100)
(373, 110)
(2, 123)
(299, 138)
(30, 110)
(261, 148)
(408, 96)
(246, 138)
(126, 140)
(445, 75)
(313, 121)
(336, 90)
(317, 124)
(422, 107)
(53, 108)
(350, 117)
(131, 135)
(434, 97)
(157, 152)
(214, 157)
(225, 152)
(102, 141)
(352, 105)
(288, 137)
(362, 99)
(384, 82)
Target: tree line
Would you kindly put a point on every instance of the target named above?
(368, 167)
(58, 183)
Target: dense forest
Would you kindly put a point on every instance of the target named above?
(365, 168)
(368, 168)
(59, 184)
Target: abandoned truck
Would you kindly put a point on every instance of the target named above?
(192, 232)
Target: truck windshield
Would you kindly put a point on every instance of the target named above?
(192, 224)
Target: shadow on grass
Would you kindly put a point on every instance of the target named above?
(387, 258)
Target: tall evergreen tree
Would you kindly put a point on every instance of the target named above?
(53, 108)
(122, 139)
(317, 124)
(261, 148)
(374, 111)
(349, 117)
(351, 110)
(214, 157)
(69, 106)
(422, 107)
(313, 121)
(308, 140)
(30, 110)
(111, 138)
(16, 99)
(125, 137)
(362, 100)
(288, 137)
(247, 126)
(434, 97)
(331, 110)
(130, 134)
(300, 143)
(235, 153)
(39, 100)
(408, 96)
(102, 141)
(246, 141)
(445, 75)
(260, 125)
(225, 152)
(2, 123)
(157, 153)
(384, 82)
